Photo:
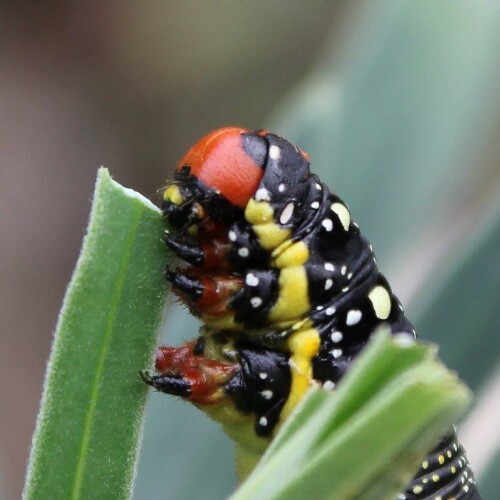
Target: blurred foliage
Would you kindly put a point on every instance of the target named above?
(459, 309)
(398, 116)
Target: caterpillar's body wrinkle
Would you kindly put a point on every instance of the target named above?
(287, 288)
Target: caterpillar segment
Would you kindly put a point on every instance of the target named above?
(288, 291)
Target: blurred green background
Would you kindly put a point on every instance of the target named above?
(395, 101)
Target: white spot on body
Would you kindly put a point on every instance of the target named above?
(327, 224)
(342, 214)
(263, 375)
(345, 289)
(353, 317)
(243, 252)
(274, 152)
(349, 276)
(267, 394)
(262, 194)
(319, 308)
(330, 311)
(256, 302)
(315, 205)
(318, 186)
(251, 279)
(287, 213)
(263, 421)
(328, 284)
(329, 266)
(281, 188)
(231, 235)
(336, 336)
(343, 270)
(381, 301)
(336, 353)
(329, 385)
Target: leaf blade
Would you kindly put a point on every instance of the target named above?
(369, 435)
(88, 429)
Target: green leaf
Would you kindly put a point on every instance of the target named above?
(367, 438)
(89, 426)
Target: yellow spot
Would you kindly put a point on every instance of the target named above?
(259, 212)
(438, 498)
(417, 490)
(343, 214)
(435, 478)
(425, 464)
(293, 297)
(453, 469)
(295, 255)
(381, 301)
(441, 459)
(173, 194)
(303, 346)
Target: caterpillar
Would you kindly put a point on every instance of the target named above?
(288, 292)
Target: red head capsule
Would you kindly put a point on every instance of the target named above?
(230, 161)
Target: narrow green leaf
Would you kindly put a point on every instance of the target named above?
(368, 436)
(387, 357)
(372, 441)
(88, 430)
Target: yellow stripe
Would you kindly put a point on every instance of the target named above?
(303, 346)
(259, 212)
(293, 297)
(295, 255)
(261, 215)
(271, 235)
